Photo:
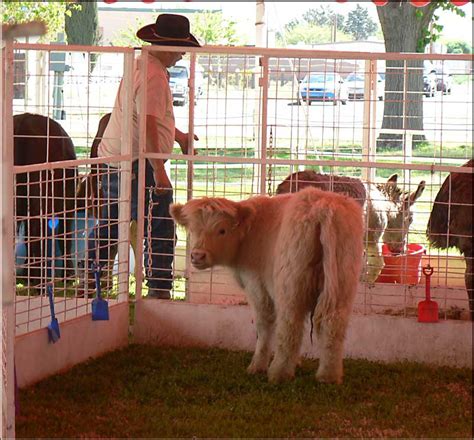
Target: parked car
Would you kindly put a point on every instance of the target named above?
(429, 83)
(444, 82)
(355, 83)
(323, 87)
(179, 82)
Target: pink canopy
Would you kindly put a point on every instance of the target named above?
(417, 3)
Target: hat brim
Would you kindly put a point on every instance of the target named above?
(147, 33)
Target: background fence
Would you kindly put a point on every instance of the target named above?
(258, 121)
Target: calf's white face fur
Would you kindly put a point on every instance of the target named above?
(292, 254)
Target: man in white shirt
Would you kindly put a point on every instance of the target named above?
(169, 30)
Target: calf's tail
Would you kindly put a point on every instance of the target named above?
(341, 240)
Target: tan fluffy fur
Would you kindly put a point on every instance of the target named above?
(292, 254)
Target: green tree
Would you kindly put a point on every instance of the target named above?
(417, 33)
(292, 24)
(208, 27)
(212, 28)
(323, 16)
(50, 13)
(458, 46)
(128, 37)
(80, 23)
(316, 26)
(309, 34)
(359, 24)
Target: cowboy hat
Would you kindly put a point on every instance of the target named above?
(169, 30)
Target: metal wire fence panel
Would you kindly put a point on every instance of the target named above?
(263, 117)
(59, 101)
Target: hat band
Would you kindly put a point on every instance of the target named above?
(169, 38)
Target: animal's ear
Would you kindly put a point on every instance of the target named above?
(245, 214)
(414, 196)
(176, 211)
(392, 180)
(391, 184)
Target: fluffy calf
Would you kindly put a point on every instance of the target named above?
(293, 254)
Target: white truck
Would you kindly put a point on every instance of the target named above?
(180, 75)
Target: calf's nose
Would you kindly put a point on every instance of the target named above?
(198, 256)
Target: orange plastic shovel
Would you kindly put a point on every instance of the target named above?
(428, 309)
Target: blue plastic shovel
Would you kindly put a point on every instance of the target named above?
(53, 327)
(100, 307)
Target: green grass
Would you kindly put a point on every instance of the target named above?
(212, 176)
(461, 79)
(82, 152)
(143, 392)
(239, 181)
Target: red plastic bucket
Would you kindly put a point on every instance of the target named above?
(402, 268)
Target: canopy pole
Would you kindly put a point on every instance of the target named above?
(260, 25)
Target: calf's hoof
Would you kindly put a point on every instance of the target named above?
(328, 377)
(255, 369)
(257, 366)
(278, 374)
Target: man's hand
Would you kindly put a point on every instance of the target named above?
(162, 181)
(183, 140)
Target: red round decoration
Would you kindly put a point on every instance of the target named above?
(419, 3)
(459, 3)
(380, 2)
(110, 1)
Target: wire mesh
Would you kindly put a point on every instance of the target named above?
(260, 117)
(59, 100)
(313, 120)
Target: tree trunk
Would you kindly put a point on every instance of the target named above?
(402, 26)
(81, 26)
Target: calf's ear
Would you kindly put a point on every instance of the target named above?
(176, 211)
(245, 215)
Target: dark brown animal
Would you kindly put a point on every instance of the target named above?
(89, 192)
(89, 187)
(43, 195)
(341, 184)
(450, 222)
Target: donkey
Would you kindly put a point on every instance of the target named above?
(387, 209)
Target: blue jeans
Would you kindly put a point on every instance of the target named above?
(162, 234)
